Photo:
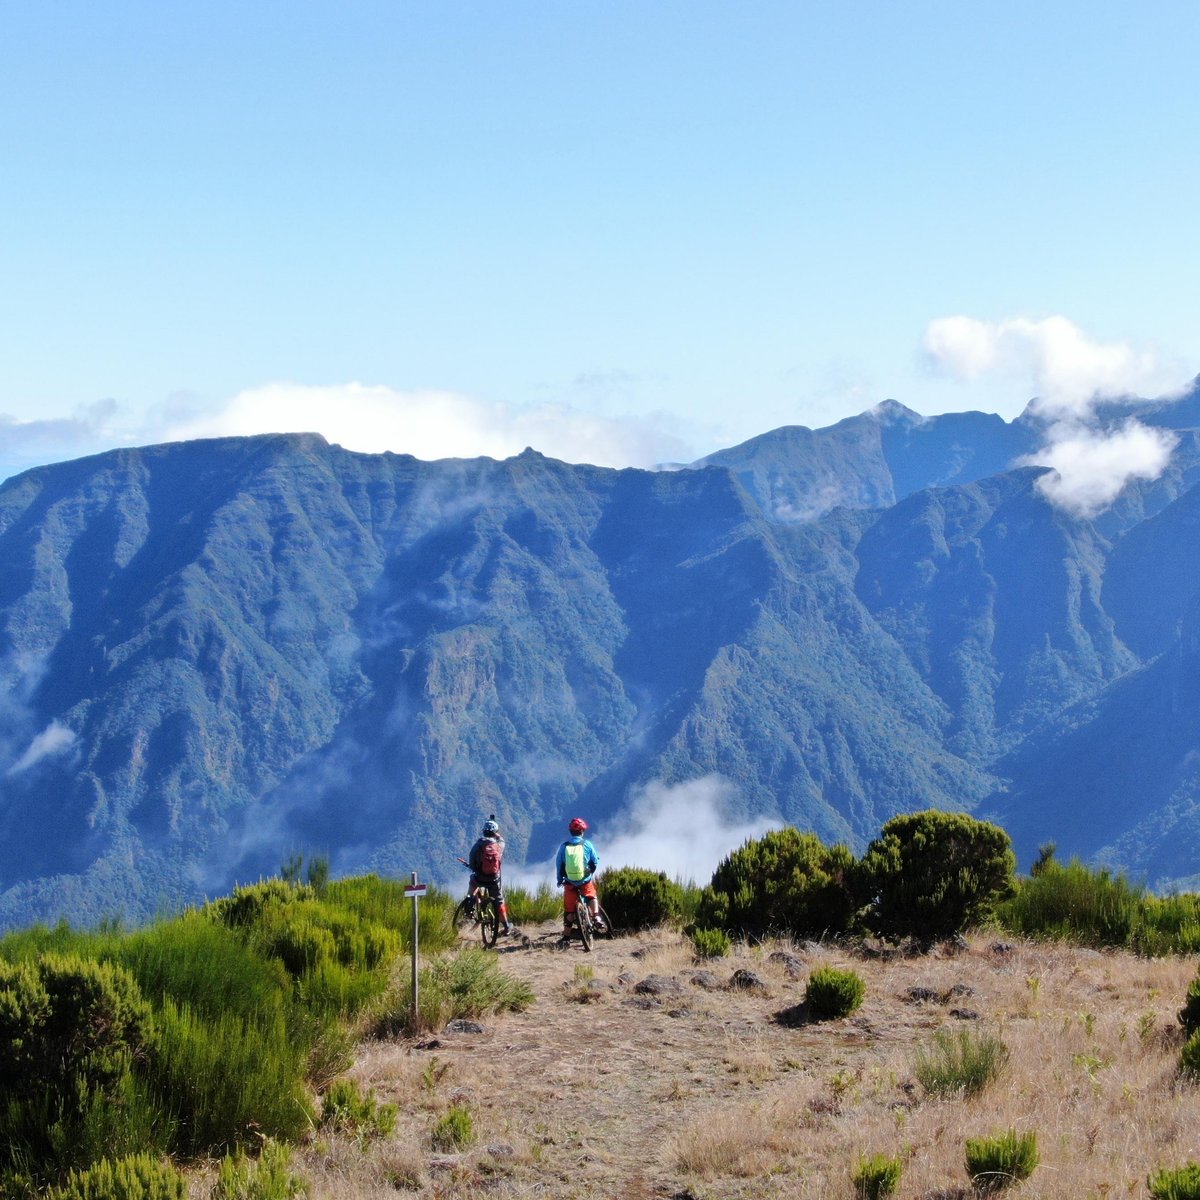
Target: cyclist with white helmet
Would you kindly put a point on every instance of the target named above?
(485, 860)
(576, 866)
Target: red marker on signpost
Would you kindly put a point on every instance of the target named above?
(416, 891)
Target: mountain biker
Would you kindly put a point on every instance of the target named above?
(485, 860)
(576, 866)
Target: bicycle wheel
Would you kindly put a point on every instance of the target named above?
(489, 923)
(464, 914)
(583, 918)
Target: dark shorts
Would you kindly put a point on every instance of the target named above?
(491, 882)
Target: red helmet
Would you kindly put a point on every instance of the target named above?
(578, 825)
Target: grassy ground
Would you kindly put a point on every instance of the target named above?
(597, 1090)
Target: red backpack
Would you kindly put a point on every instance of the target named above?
(490, 855)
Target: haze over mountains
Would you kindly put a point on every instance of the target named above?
(214, 654)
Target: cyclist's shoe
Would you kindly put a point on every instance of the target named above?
(598, 925)
(505, 929)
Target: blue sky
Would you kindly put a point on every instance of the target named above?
(620, 232)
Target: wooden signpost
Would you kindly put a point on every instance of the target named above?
(416, 891)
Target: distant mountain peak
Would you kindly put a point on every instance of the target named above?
(892, 412)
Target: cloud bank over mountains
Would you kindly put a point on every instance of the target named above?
(1051, 358)
(1070, 374)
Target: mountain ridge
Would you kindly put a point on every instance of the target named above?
(215, 653)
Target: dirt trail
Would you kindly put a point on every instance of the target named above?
(585, 1097)
(600, 1090)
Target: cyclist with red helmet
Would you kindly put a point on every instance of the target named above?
(576, 865)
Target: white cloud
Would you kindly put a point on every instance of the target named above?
(436, 424)
(55, 739)
(1091, 461)
(1091, 466)
(1053, 357)
(679, 829)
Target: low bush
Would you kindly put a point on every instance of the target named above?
(833, 992)
(268, 1177)
(998, 1162)
(961, 1063)
(137, 1177)
(1189, 1058)
(346, 1110)
(454, 1130)
(467, 984)
(230, 1080)
(1189, 1014)
(1074, 903)
(785, 882)
(526, 908)
(711, 943)
(1178, 1183)
(876, 1177)
(636, 898)
(65, 1019)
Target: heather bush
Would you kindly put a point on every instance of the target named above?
(876, 1177)
(346, 1110)
(528, 908)
(1075, 903)
(267, 1177)
(454, 1130)
(137, 1177)
(963, 1063)
(230, 1079)
(1189, 1058)
(930, 875)
(636, 898)
(785, 882)
(833, 992)
(65, 1019)
(998, 1162)
(1189, 1014)
(468, 984)
(1178, 1183)
(711, 943)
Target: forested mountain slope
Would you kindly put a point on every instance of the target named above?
(214, 654)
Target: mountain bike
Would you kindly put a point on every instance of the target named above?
(478, 908)
(585, 924)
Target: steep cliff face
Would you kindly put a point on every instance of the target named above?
(215, 654)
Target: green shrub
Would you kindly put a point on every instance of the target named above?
(205, 965)
(711, 943)
(1074, 903)
(876, 1177)
(832, 992)
(532, 909)
(636, 898)
(1000, 1161)
(454, 1130)
(785, 882)
(245, 906)
(229, 1080)
(960, 1063)
(1189, 1014)
(63, 1019)
(467, 984)
(137, 1177)
(268, 1177)
(1189, 1057)
(346, 1110)
(1179, 1183)
(932, 874)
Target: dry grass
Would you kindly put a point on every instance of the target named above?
(704, 1093)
